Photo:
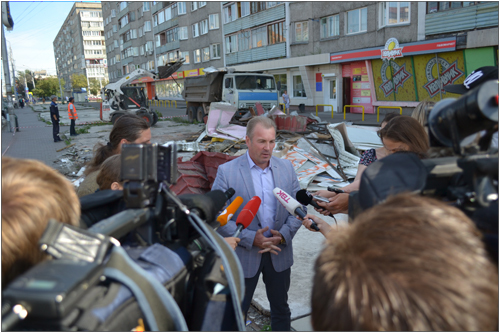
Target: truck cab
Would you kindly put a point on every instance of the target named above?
(243, 90)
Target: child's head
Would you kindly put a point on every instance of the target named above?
(109, 174)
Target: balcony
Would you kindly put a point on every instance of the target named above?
(253, 20)
(484, 15)
(168, 47)
(257, 54)
(166, 25)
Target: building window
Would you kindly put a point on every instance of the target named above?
(155, 20)
(123, 5)
(206, 54)
(197, 56)
(147, 26)
(141, 50)
(194, 6)
(196, 32)
(273, 3)
(244, 40)
(356, 21)
(329, 26)
(435, 6)
(257, 6)
(298, 87)
(145, 6)
(185, 55)
(181, 8)
(204, 27)
(172, 35)
(161, 17)
(230, 13)
(123, 21)
(213, 21)
(276, 33)
(281, 78)
(157, 39)
(183, 33)
(113, 12)
(259, 37)
(231, 44)
(301, 31)
(115, 28)
(394, 13)
(245, 8)
(140, 31)
(202, 4)
(215, 51)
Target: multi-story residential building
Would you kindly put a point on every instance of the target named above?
(79, 47)
(188, 30)
(379, 54)
(129, 39)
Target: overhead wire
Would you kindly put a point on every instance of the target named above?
(29, 13)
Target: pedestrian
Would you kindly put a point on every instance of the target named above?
(54, 117)
(86, 99)
(266, 244)
(21, 103)
(156, 97)
(73, 116)
(67, 100)
(286, 100)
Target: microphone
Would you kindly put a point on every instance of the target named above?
(291, 205)
(207, 205)
(228, 213)
(247, 215)
(334, 189)
(306, 198)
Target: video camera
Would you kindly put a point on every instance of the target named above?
(93, 283)
(467, 180)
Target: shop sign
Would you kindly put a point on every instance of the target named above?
(192, 72)
(391, 49)
(399, 77)
(449, 75)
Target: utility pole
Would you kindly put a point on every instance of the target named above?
(8, 87)
(57, 73)
(13, 73)
(33, 79)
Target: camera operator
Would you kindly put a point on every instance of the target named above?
(409, 264)
(32, 193)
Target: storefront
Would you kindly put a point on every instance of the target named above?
(403, 75)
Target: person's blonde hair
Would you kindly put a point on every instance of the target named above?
(263, 120)
(109, 172)
(409, 264)
(421, 112)
(32, 193)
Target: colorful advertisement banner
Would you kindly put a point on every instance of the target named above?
(360, 89)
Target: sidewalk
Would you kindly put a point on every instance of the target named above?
(34, 139)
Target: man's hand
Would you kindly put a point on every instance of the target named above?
(339, 203)
(265, 242)
(270, 248)
(232, 241)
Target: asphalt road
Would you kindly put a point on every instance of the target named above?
(180, 110)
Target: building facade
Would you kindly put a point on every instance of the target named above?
(79, 47)
(367, 54)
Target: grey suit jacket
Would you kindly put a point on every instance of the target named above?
(236, 174)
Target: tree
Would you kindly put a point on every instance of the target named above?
(78, 81)
(94, 86)
(48, 87)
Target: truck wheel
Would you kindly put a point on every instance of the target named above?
(200, 114)
(155, 118)
(114, 118)
(191, 114)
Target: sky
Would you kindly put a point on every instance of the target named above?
(36, 24)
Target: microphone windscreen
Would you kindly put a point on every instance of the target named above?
(208, 204)
(304, 197)
(229, 193)
(248, 212)
(228, 213)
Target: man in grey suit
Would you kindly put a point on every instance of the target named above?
(257, 173)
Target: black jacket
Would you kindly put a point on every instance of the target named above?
(54, 110)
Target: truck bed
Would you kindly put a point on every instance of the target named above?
(205, 88)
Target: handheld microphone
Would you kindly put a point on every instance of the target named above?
(291, 205)
(247, 215)
(228, 213)
(306, 198)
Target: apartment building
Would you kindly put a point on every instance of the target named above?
(79, 47)
(382, 54)
(187, 30)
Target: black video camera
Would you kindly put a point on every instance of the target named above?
(467, 180)
(200, 286)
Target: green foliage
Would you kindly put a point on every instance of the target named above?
(94, 86)
(47, 87)
(78, 81)
(83, 129)
(181, 120)
(266, 328)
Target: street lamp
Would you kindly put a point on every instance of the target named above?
(57, 73)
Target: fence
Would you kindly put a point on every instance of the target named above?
(355, 106)
(389, 107)
(326, 105)
(162, 102)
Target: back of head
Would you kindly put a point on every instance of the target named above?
(407, 130)
(109, 172)
(421, 112)
(128, 127)
(264, 121)
(32, 193)
(389, 116)
(410, 264)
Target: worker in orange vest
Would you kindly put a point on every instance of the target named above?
(73, 116)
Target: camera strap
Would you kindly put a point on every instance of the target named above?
(155, 302)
